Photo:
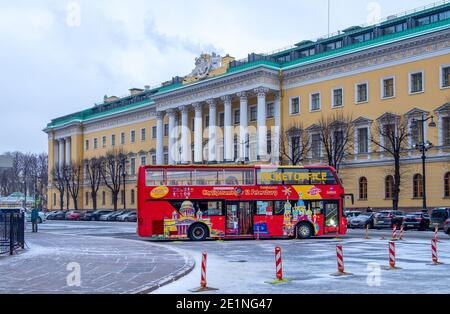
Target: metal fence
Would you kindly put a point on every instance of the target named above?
(12, 230)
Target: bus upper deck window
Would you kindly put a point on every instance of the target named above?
(154, 177)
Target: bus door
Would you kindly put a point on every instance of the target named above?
(331, 216)
(239, 218)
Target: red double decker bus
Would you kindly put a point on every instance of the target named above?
(201, 202)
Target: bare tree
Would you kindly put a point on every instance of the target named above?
(59, 183)
(294, 145)
(73, 176)
(93, 173)
(111, 171)
(336, 136)
(392, 138)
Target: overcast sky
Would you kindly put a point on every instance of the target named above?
(58, 57)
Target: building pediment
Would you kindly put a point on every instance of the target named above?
(313, 128)
(416, 112)
(362, 120)
(445, 108)
(388, 116)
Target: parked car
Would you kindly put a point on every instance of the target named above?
(58, 215)
(131, 218)
(439, 216)
(51, 215)
(447, 227)
(362, 221)
(85, 213)
(420, 221)
(350, 215)
(113, 217)
(41, 219)
(95, 216)
(73, 215)
(387, 219)
(126, 216)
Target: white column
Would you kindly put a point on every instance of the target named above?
(198, 136)
(243, 128)
(172, 136)
(185, 136)
(262, 127)
(228, 128)
(276, 134)
(212, 143)
(68, 151)
(160, 138)
(61, 153)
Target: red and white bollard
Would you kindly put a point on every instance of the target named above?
(394, 232)
(434, 253)
(340, 258)
(203, 272)
(402, 232)
(278, 264)
(392, 255)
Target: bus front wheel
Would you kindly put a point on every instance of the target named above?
(304, 231)
(198, 232)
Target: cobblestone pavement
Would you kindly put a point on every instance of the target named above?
(108, 264)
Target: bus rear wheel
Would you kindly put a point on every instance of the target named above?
(304, 231)
(198, 232)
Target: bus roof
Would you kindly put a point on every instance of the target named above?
(238, 167)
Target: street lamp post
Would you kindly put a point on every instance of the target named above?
(424, 147)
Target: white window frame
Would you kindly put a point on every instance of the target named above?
(218, 119)
(267, 110)
(362, 127)
(104, 141)
(143, 132)
(113, 143)
(95, 143)
(410, 85)
(131, 137)
(140, 160)
(356, 93)
(332, 97)
(86, 145)
(122, 138)
(155, 134)
(382, 87)
(153, 157)
(311, 154)
(310, 102)
(132, 160)
(441, 72)
(290, 106)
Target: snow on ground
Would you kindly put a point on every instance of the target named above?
(246, 266)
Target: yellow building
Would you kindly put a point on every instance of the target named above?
(234, 111)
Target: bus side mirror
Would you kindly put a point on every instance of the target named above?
(344, 196)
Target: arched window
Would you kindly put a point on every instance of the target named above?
(363, 188)
(87, 198)
(418, 186)
(132, 197)
(103, 198)
(54, 199)
(389, 187)
(447, 184)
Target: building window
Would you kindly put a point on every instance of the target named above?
(315, 102)
(235, 147)
(154, 132)
(253, 113)
(143, 160)
(103, 198)
(95, 143)
(363, 189)
(446, 131)
(132, 197)
(418, 186)
(113, 140)
(388, 87)
(363, 141)
(295, 105)
(395, 28)
(133, 166)
(193, 124)
(363, 37)
(122, 197)
(338, 97)
(334, 45)
(316, 146)
(221, 119)
(104, 141)
(270, 110)
(416, 133)
(153, 159)
(447, 184)
(86, 196)
(445, 76)
(207, 121)
(166, 159)
(362, 93)
(269, 142)
(166, 130)
(122, 138)
(389, 187)
(54, 199)
(86, 145)
(237, 116)
(416, 83)
(133, 136)
(143, 134)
